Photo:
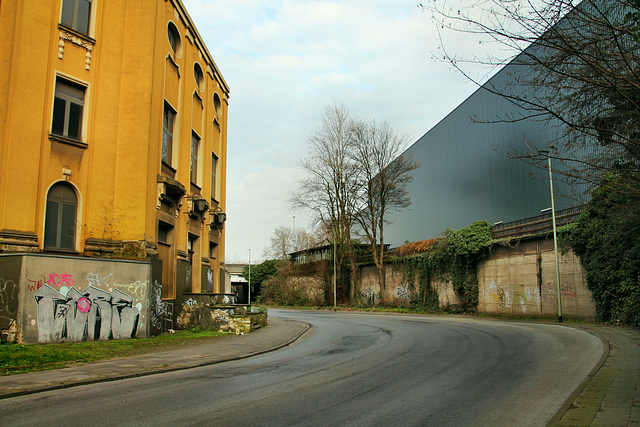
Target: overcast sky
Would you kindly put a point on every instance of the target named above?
(284, 61)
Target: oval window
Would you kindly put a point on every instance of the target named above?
(174, 39)
(199, 76)
(217, 104)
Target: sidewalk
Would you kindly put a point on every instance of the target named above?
(278, 334)
(609, 396)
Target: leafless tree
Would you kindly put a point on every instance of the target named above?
(575, 64)
(286, 240)
(282, 243)
(383, 177)
(328, 189)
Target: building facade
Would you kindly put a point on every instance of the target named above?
(469, 170)
(113, 129)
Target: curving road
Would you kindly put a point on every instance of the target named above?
(350, 369)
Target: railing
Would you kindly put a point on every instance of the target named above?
(537, 224)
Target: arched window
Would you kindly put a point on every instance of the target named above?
(199, 76)
(217, 104)
(60, 222)
(174, 39)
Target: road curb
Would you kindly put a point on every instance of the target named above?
(567, 404)
(304, 327)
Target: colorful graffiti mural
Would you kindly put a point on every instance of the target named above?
(93, 314)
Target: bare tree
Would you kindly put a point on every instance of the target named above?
(328, 189)
(286, 240)
(282, 243)
(383, 177)
(575, 64)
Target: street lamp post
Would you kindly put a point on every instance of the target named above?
(249, 289)
(335, 249)
(555, 235)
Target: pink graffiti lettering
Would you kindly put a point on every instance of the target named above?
(56, 280)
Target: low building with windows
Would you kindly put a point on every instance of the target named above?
(113, 129)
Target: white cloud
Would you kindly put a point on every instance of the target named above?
(284, 61)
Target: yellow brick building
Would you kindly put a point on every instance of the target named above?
(113, 129)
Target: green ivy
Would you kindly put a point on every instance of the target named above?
(606, 238)
(455, 257)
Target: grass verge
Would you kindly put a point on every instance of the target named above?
(20, 358)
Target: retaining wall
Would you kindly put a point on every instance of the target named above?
(517, 280)
(63, 298)
(521, 280)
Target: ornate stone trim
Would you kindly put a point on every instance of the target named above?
(18, 241)
(88, 44)
(110, 246)
(167, 189)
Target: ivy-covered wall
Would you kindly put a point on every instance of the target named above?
(403, 288)
(515, 280)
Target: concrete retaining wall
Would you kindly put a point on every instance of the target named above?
(399, 289)
(521, 280)
(65, 298)
(518, 280)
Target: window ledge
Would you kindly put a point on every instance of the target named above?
(77, 34)
(68, 141)
(167, 165)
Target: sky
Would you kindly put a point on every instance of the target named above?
(285, 61)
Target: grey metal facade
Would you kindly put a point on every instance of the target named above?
(465, 172)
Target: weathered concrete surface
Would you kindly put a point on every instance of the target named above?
(520, 280)
(63, 298)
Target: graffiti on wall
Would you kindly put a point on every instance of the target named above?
(504, 298)
(526, 297)
(160, 312)
(93, 314)
(8, 300)
(53, 280)
(568, 290)
(403, 292)
(369, 296)
(210, 280)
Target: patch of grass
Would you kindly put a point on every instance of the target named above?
(19, 358)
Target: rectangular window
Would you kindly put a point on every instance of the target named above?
(167, 134)
(68, 106)
(76, 15)
(195, 143)
(214, 166)
(213, 250)
(164, 233)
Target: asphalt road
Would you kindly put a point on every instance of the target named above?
(349, 369)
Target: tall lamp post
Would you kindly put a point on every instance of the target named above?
(249, 289)
(335, 254)
(555, 234)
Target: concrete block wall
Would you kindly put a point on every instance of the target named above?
(521, 281)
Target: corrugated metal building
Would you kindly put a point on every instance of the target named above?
(466, 172)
